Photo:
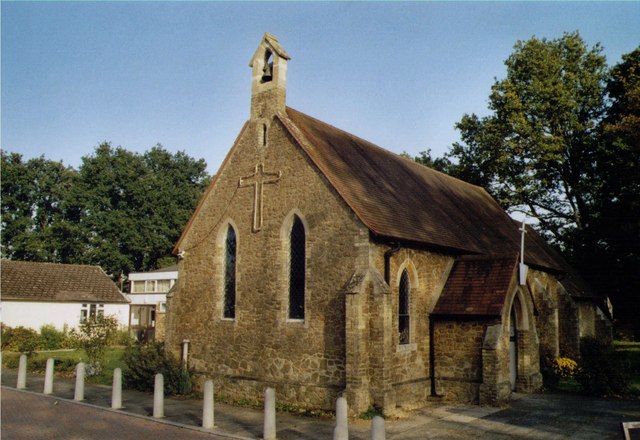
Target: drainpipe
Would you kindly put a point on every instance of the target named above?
(387, 262)
(432, 357)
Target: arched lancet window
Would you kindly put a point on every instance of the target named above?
(403, 308)
(264, 135)
(230, 274)
(297, 257)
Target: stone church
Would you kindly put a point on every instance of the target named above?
(321, 265)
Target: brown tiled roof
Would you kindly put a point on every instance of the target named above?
(477, 286)
(22, 280)
(400, 199)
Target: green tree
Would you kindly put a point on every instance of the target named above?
(121, 210)
(425, 158)
(94, 336)
(132, 207)
(536, 150)
(613, 259)
(34, 195)
(561, 144)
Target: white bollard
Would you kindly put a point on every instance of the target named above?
(207, 406)
(269, 414)
(377, 428)
(342, 419)
(340, 432)
(78, 395)
(48, 377)
(116, 389)
(22, 372)
(158, 396)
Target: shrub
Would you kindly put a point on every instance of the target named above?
(602, 372)
(549, 377)
(21, 339)
(370, 413)
(94, 336)
(122, 337)
(39, 365)
(11, 361)
(53, 339)
(144, 361)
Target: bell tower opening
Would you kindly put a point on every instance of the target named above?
(267, 70)
(269, 79)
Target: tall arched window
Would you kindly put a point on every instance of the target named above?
(403, 308)
(230, 274)
(297, 257)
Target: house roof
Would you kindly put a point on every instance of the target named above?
(400, 199)
(477, 286)
(30, 281)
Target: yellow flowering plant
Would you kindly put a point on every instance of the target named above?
(565, 368)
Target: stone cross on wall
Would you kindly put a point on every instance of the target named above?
(258, 179)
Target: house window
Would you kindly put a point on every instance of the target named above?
(137, 286)
(403, 308)
(91, 311)
(297, 270)
(230, 274)
(163, 285)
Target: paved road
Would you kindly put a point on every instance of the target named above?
(30, 415)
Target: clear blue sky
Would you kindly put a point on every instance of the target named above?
(135, 74)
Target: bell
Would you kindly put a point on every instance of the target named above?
(267, 72)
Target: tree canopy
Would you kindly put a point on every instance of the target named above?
(120, 210)
(561, 145)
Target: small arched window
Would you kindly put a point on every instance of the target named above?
(297, 257)
(264, 135)
(404, 324)
(230, 274)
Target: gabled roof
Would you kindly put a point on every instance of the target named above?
(29, 281)
(400, 199)
(274, 45)
(477, 286)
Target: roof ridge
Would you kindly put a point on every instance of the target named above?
(52, 263)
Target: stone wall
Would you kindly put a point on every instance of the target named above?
(587, 314)
(458, 359)
(569, 324)
(409, 370)
(496, 387)
(303, 360)
(160, 324)
(545, 295)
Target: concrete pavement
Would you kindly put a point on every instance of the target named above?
(30, 415)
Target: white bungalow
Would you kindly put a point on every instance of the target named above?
(35, 294)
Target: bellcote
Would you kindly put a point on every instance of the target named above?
(269, 78)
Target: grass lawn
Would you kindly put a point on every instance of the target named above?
(66, 360)
(631, 351)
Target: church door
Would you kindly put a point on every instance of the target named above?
(513, 351)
